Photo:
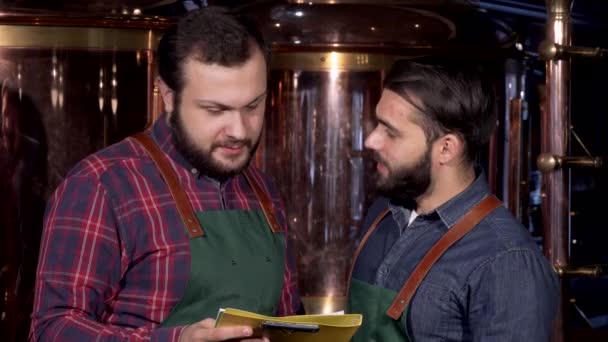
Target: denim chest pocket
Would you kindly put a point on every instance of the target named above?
(434, 313)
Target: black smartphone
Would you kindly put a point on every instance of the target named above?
(290, 328)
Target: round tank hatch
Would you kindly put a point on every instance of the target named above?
(353, 25)
(390, 27)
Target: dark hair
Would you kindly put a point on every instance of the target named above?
(211, 35)
(452, 97)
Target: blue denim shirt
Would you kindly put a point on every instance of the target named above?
(492, 285)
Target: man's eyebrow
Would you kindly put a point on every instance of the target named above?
(259, 97)
(222, 106)
(385, 123)
(205, 103)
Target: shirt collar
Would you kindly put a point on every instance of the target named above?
(454, 209)
(451, 211)
(400, 214)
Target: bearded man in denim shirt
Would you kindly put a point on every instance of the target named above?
(492, 283)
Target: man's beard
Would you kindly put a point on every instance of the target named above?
(404, 185)
(203, 160)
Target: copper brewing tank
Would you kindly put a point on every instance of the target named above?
(73, 84)
(70, 85)
(329, 60)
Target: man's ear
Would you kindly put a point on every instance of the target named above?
(451, 149)
(167, 94)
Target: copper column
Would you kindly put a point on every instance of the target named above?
(555, 128)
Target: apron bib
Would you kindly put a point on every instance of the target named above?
(238, 263)
(237, 257)
(372, 302)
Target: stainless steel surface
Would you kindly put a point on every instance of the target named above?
(314, 150)
(555, 128)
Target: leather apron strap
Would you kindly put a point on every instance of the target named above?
(193, 227)
(369, 233)
(462, 227)
(264, 200)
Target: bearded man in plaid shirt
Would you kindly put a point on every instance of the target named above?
(125, 256)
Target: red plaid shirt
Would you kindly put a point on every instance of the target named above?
(114, 256)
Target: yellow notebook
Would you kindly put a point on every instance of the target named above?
(304, 328)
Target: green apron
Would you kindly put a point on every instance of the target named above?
(237, 257)
(238, 263)
(372, 302)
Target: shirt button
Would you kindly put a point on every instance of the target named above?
(194, 171)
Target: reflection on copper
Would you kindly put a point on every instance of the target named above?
(510, 93)
(493, 160)
(328, 305)
(19, 81)
(314, 152)
(100, 98)
(54, 123)
(114, 99)
(60, 87)
(57, 73)
(515, 157)
(555, 124)
(526, 166)
(555, 137)
(23, 178)
(54, 83)
(77, 37)
(514, 172)
(108, 20)
(154, 101)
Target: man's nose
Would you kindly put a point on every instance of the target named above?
(372, 141)
(235, 127)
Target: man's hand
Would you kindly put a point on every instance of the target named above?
(205, 330)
